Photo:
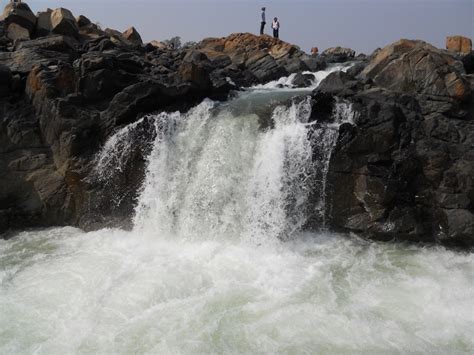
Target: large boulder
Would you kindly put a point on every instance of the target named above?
(338, 54)
(132, 35)
(19, 14)
(416, 67)
(459, 44)
(63, 22)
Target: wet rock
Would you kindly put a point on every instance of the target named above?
(339, 83)
(303, 80)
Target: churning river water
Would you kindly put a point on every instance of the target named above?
(218, 261)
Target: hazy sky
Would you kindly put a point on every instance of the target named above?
(360, 24)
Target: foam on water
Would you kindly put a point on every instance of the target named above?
(64, 291)
(286, 82)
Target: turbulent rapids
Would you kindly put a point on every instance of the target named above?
(221, 258)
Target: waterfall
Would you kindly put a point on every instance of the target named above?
(214, 173)
(212, 192)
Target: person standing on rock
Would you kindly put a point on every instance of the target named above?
(276, 27)
(263, 22)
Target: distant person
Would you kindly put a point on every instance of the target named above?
(276, 27)
(263, 23)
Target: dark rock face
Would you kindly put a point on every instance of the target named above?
(404, 170)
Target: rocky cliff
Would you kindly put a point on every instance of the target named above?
(403, 171)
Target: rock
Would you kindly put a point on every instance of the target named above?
(158, 45)
(19, 14)
(338, 54)
(56, 43)
(63, 22)
(91, 31)
(337, 83)
(265, 57)
(401, 171)
(414, 67)
(458, 227)
(82, 21)
(356, 69)
(314, 63)
(459, 44)
(5, 80)
(303, 80)
(17, 33)
(23, 60)
(44, 26)
(132, 35)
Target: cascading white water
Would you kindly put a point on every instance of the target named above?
(217, 262)
(220, 176)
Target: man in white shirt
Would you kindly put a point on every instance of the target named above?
(263, 23)
(276, 27)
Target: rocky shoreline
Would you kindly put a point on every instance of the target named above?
(404, 171)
